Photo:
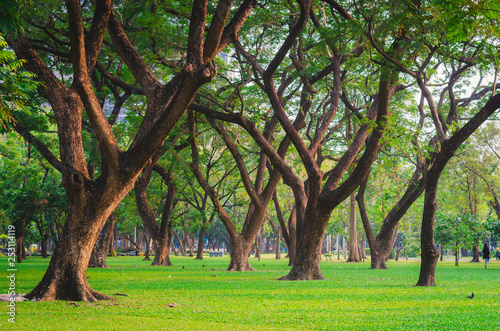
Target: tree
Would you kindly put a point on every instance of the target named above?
(91, 201)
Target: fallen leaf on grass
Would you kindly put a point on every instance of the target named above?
(121, 294)
(172, 305)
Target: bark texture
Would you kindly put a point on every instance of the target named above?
(101, 247)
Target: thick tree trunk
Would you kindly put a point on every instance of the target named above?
(201, 240)
(239, 255)
(162, 256)
(66, 276)
(101, 247)
(307, 260)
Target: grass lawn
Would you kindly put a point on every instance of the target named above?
(352, 298)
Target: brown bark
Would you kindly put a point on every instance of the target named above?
(44, 242)
(353, 234)
(182, 247)
(20, 252)
(159, 234)
(475, 254)
(277, 245)
(101, 247)
(148, 246)
(131, 241)
(201, 239)
(239, 255)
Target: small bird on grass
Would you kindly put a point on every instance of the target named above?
(471, 296)
(203, 265)
(183, 267)
(213, 269)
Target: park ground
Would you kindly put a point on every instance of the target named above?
(205, 297)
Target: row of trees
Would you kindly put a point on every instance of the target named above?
(303, 98)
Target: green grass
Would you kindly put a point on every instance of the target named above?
(352, 298)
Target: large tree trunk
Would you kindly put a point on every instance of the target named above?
(307, 260)
(162, 256)
(239, 255)
(66, 276)
(101, 247)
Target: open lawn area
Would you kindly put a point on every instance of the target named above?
(352, 297)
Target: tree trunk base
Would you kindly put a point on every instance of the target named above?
(306, 271)
(378, 264)
(98, 264)
(161, 261)
(305, 275)
(65, 288)
(244, 266)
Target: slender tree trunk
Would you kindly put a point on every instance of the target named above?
(258, 240)
(292, 235)
(101, 247)
(201, 240)
(429, 253)
(182, 247)
(20, 253)
(277, 245)
(148, 246)
(44, 240)
(112, 251)
(353, 233)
